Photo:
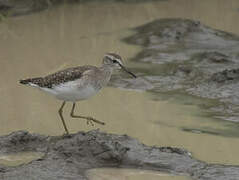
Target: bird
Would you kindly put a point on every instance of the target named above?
(78, 83)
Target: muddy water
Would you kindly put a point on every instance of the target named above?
(129, 174)
(19, 158)
(68, 35)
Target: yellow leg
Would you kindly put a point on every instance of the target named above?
(90, 120)
(62, 118)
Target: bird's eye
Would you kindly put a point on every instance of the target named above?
(114, 61)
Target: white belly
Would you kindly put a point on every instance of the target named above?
(72, 92)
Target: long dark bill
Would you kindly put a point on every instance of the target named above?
(128, 71)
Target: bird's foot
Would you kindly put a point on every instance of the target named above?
(67, 135)
(91, 121)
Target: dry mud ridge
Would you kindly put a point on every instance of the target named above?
(68, 157)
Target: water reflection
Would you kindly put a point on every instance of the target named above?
(65, 36)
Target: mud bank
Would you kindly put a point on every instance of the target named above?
(68, 157)
(187, 56)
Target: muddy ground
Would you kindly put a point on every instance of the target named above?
(68, 157)
(188, 57)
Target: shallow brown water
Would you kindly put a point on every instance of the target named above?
(19, 158)
(65, 36)
(129, 174)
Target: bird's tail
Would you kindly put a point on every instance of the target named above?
(24, 81)
(31, 81)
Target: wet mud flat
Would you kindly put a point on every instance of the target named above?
(68, 157)
(189, 57)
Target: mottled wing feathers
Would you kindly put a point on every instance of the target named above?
(59, 77)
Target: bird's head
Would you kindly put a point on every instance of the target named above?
(115, 61)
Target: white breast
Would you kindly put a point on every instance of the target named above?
(71, 91)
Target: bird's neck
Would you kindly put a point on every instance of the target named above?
(106, 71)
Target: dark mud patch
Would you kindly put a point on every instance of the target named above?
(68, 157)
(186, 56)
(15, 7)
(231, 75)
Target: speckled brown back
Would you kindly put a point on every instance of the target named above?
(59, 77)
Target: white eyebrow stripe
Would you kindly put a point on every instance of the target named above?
(113, 57)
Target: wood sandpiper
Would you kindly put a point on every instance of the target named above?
(78, 83)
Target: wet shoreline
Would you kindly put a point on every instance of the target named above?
(192, 58)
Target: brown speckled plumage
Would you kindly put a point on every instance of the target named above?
(78, 83)
(59, 77)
